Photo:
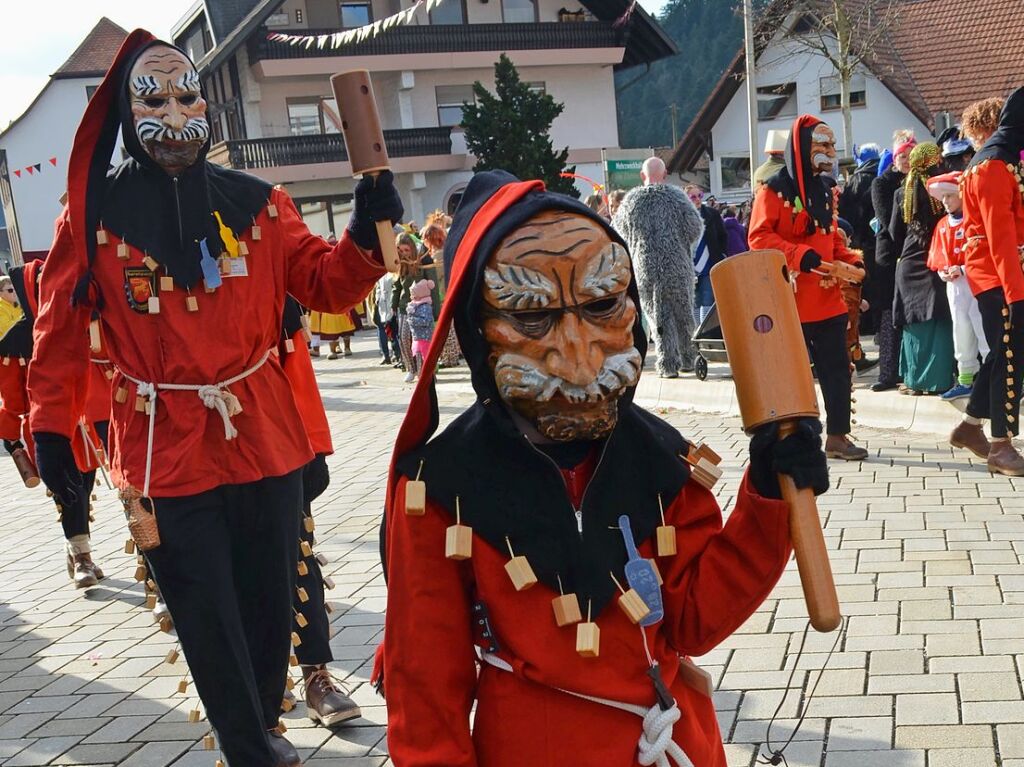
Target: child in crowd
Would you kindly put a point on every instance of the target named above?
(421, 321)
(946, 257)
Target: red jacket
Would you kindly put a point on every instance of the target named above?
(716, 581)
(772, 227)
(994, 225)
(947, 248)
(298, 369)
(234, 328)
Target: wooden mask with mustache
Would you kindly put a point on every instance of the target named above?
(559, 322)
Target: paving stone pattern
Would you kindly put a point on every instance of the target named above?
(925, 545)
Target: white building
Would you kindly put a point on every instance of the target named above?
(915, 80)
(271, 103)
(34, 149)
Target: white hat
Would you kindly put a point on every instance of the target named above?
(776, 141)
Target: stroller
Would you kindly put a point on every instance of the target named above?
(710, 346)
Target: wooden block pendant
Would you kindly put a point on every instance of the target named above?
(22, 361)
(209, 743)
(666, 541)
(243, 248)
(123, 252)
(95, 344)
(166, 625)
(416, 495)
(328, 608)
(256, 233)
(303, 596)
(193, 716)
(567, 610)
(191, 304)
(172, 656)
(7, 361)
(666, 534)
(309, 524)
(519, 570)
(140, 573)
(306, 549)
(631, 603)
(140, 404)
(328, 582)
(109, 374)
(272, 210)
(289, 346)
(153, 305)
(706, 452)
(151, 601)
(458, 540)
(151, 263)
(101, 237)
(287, 705)
(129, 546)
(289, 683)
(303, 569)
(322, 559)
(588, 637)
(293, 661)
(183, 686)
(300, 620)
(121, 395)
(225, 266)
(296, 639)
(166, 283)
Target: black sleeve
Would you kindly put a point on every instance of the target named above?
(882, 203)
(897, 227)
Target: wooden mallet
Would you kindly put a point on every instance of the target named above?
(364, 139)
(772, 372)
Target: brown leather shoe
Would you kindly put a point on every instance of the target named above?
(972, 437)
(285, 752)
(1003, 458)
(325, 702)
(841, 447)
(81, 569)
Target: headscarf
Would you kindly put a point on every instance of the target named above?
(885, 161)
(798, 182)
(923, 158)
(867, 153)
(1007, 143)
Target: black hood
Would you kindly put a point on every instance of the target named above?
(1007, 143)
(17, 341)
(167, 217)
(798, 181)
(506, 486)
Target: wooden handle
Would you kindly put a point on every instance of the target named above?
(26, 468)
(811, 555)
(386, 235)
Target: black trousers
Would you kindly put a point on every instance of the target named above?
(226, 569)
(826, 345)
(75, 520)
(889, 340)
(990, 396)
(315, 649)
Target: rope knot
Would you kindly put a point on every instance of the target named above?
(656, 740)
(225, 403)
(146, 390)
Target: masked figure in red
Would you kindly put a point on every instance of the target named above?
(185, 267)
(797, 212)
(542, 499)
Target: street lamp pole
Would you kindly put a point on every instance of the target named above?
(748, 33)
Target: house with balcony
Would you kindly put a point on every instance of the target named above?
(272, 112)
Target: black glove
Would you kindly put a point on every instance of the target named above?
(1017, 315)
(810, 261)
(315, 478)
(799, 455)
(11, 445)
(57, 468)
(376, 199)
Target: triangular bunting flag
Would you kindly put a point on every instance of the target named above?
(17, 173)
(29, 169)
(39, 167)
(53, 161)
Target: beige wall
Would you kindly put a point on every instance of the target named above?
(324, 13)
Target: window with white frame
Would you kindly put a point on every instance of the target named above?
(832, 92)
(450, 99)
(776, 101)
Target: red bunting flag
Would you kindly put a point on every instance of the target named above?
(29, 169)
(53, 161)
(17, 173)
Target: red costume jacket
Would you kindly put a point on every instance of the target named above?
(234, 329)
(994, 226)
(298, 369)
(718, 578)
(772, 227)
(947, 248)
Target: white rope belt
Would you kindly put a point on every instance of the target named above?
(656, 746)
(90, 449)
(213, 396)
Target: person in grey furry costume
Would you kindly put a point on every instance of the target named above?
(662, 227)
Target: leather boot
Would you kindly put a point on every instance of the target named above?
(972, 437)
(1003, 458)
(81, 569)
(325, 702)
(840, 446)
(285, 752)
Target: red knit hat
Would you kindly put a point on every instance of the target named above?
(947, 183)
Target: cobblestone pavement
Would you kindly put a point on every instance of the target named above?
(925, 545)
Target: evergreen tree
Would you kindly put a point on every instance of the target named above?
(509, 130)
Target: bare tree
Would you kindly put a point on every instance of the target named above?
(848, 34)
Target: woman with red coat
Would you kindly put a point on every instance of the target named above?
(992, 193)
(540, 510)
(797, 212)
